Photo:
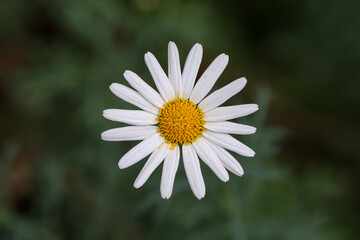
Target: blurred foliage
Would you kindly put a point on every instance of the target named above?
(60, 181)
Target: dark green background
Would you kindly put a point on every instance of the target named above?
(60, 181)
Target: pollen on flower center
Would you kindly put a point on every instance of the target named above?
(180, 121)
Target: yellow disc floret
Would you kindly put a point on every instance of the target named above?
(180, 121)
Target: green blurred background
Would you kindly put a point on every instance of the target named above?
(60, 181)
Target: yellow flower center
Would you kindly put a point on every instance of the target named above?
(180, 121)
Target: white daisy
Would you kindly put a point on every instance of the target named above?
(181, 117)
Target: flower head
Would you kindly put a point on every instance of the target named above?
(180, 116)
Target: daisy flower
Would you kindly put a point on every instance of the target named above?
(180, 118)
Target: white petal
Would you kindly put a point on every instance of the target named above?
(226, 141)
(141, 150)
(161, 80)
(144, 89)
(209, 157)
(129, 133)
(174, 68)
(227, 159)
(170, 167)
(133, 97)
(230, 112)
(222, 95)
(133, 117)
(230, 127)
(193, 171)
(191, 69)
(152, 163)
(209, 77)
